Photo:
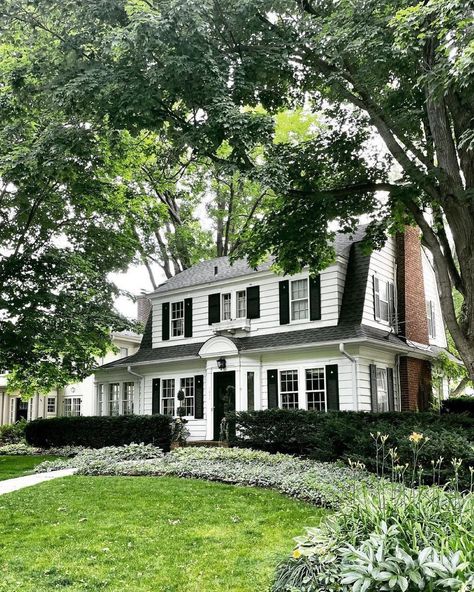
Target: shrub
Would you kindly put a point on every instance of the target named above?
(97, 432)
(319, 483)
(342, 435)
(390, 537)
(19, 449)
(12, 433)
(458, 405)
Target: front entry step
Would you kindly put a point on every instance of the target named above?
(212, 443)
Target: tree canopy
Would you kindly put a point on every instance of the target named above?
(391, 81)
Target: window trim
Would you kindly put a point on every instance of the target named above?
(292, 300)
(288, 392)
(75, 409)
(164, 388)
(224, 295)
(181, 334)
(311, 391)
(193, 397)
(48, 401)
(238, 295)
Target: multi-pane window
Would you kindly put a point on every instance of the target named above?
(315, 389)
(72, 406)
(12, 410)
(430, 313)
(226, 307)
(127, 400)
(241, 304)
(382, 390)
(51, 405)
(187, 385)
(289, 389)
(384, 300)
(167, 396)
(100, 399)
(114, 398)
(177, 319)
(299, 300)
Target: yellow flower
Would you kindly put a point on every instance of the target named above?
(415, 437)
(296, 554)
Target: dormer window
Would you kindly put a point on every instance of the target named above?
(226, 307)
(177, 319)
(299, 300)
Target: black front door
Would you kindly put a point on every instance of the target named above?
(224, 398)
(21, 409)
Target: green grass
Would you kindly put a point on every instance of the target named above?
(145, 534)
(18, 466)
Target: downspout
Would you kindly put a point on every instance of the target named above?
(142, 378)
(355, 385)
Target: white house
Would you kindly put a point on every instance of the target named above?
(74, 399)
(360, 336)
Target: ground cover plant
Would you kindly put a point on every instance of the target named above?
(141, 534)
(393, 537)
(12, 433)
(324, 484)
(19, 466)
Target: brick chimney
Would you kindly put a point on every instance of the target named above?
(415, 374)
(143, 308)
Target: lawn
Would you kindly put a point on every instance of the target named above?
(17, 466)
(145, 534)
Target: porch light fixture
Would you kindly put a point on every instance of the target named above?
(221, 363)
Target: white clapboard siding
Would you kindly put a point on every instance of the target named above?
(332, 285)
(431, 293)
(382, 264)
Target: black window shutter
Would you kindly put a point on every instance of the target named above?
(315, 298)
(332, 387)
(188, 317)
(272, 388)
(155, 396)
(373, 388)
(284, 302)
(214, 308)
(253, 302)
(391, 390)
(165, 321)
(199, 397)
(375, 281)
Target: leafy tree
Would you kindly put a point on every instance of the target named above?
(391, 79)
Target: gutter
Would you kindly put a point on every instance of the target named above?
(142, 378)
(355, 381)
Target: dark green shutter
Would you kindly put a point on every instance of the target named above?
(373, 388)
(315, 298)
(250, 391)
(391, 390)
(155, 396)
(188, 317)
(199, 397)
(253, 302)
(332, 387)
(272, 388)
(284, 302)
(165, 321)
(214, 311)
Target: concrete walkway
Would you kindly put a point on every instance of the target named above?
(20, 482)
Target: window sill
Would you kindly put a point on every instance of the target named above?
(232, 325)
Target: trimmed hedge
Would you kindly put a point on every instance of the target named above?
(97, 432)
(345, 434)
(459, 405)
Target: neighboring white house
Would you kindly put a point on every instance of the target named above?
(360, 336)
(74, 399)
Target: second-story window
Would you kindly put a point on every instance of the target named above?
(299, 300)
(384, 300)
(177, 319)
(241, 306)
(226, 307)
(430, 313)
